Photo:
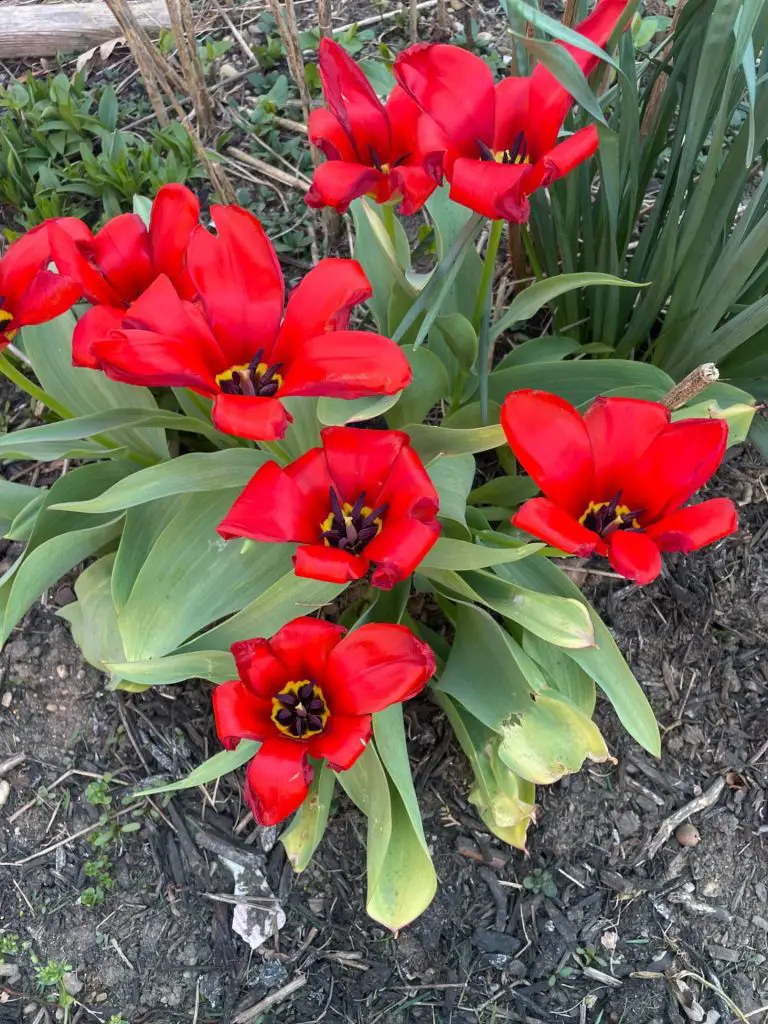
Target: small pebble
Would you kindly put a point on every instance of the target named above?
(687, 834)
(62, 671)
(6, 699)
(51, 707)
(5, 791)
(227, 72)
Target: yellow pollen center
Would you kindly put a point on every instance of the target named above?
(622, 511)
(504, 156)
(300, 717)
(5, 317)
(243, 370)
(365, 511)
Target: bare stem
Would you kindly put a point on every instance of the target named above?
(691, 386)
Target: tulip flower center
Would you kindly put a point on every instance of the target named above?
(516, 154)
(6, 317)
(255, 378)
(299, 710)
(350, 527)
(605, 517)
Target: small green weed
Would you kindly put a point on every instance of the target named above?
(97, 792)
(9, 945)
(540, 881)
(98, 869)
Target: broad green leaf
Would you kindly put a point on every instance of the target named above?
(430, 384)
(92, 617)
(49, 348)
(561, 621)
(581, 382)
(508, 491)
(215, 666)
(303, 835)
(373, 250)
(47, 563)
(562, 65)
(24, 522)
(401, 879)
(335, 412)
(191, 577)
(430, 441)
(450, 220)
(561, 672)
(530, 301)
(452, 476)
(304, 431)
(556, 29)
(460, 337)
(143, 525)
(223, 763)
(287, 597)
(504, 802)
(194, 472)
(603, 662)
(459, 555)
(549, 349)
(14, 498)
(143, 207)
(551, 739)
(738, 416)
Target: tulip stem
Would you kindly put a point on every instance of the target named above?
(25, 384)
(530, 252)
(482, 315)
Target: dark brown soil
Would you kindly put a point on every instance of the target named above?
(491, 947)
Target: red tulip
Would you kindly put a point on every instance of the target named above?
(233, 347)
(117, 264)
(615, 479)
(310, 691)
(502, 140)
(363, 498)
(29, 292)
(371, 148)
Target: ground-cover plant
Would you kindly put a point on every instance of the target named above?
(64, 151)
(242, 462)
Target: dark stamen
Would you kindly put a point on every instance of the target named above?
(352, 530)
(486, 153)
(400, 160)
(375, 158)
(251, 382)
(518, 149)
(300, 712)
(608, 519)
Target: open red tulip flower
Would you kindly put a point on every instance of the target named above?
(371, 148)
(310, 691)
(30, 293)
(615, 479)
(364, 499)
(235, 346)
(502, 139)
(117, 264)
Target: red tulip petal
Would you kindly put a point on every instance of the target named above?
(49, 295)
(549, 522)
(347, 364)
(70, 240)
(336, 183)
(408, 490)
(681, 459)
(175, 215)
(454, 87)
(492, 189)
(361, 460)
(95, 325)
(620, 431)
(23, 260)
(238, 278)
(330, 565)
(397, 551)
(634, 555)
(549, 99)
(329, 136)
(240, 714)
(374, 666)
(550, 440)
(694, 527)
(405, 117)
(414, 184)
(313, 480)
(561, 160)
(342, 741)
(351, 99)
(303, 646)
(320, 303)
(121, 252)
(258, 668)
(251, 416)
(270, 509)
(154, 360)
(277, 780)
(512, 112)
(160, 310)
